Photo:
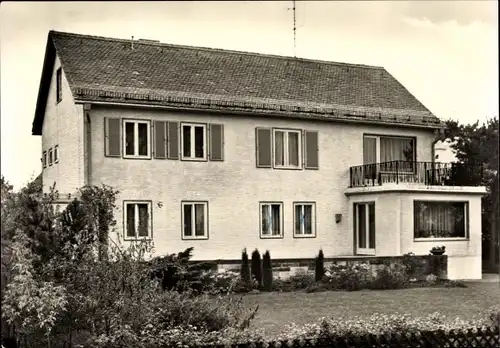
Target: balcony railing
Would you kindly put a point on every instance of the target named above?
(427, 173)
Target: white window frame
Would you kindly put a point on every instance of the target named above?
(286, 159)
(193, 220)
(136, 220)
(136, 138)
(51, 157)
(56, 154)
(44, 159)
(270, 235)
(436, 239)
(367, 250)
(302, 233)
(193, 141)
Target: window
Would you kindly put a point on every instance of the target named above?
(304, 220)
(271, 220)
(388, 151)
(50, 156)
(364, 228)
(193, 140)
(136, 139)
(137, 219)
(287, 148)
(433, 219)
(194, 220)
(59, 84)
(44, 159)
(56, 154)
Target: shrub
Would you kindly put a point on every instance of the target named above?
(348, 277)
(245, 267)
(257, 267)
(455, 284)
(267, 271)
(431, 279)
(301, 281)
(387, 278)
(319, 269)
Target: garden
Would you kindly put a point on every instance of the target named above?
(70, 285)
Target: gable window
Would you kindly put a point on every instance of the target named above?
(304, 220)
(440, 219)
(51, 156)
(44, 159)
(194, 220)
(137, 219)
(390, 151)
(56, 154)
(59, 84)
(271, 225)
(287, 148)
(136, 140)
(193, 140)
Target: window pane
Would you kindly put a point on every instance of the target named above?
(143, 220)
(439, 220)
(397, 149)
(266, 219)
(371, 226)
(188, 230)
(361, 219)
(293, 149)
(298, 219)
(279, 154)
(308, 219)
(276, 219)
(186, 141)
(129, 138)
(200, 219)
(143, 139)
(130, 220)
(199, 143)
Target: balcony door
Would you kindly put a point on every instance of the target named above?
(364, 228)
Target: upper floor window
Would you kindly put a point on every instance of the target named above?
(440, 219)
(194, 220)
(56, 154)
(136, 143)
(59, 84)
(51, 156)
(389, 151)
(193, 140)
(137, 219)
(44, 159)
(287, 148)
(304, 220)
(271, 215)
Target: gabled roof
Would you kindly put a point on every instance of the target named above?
(151, 73)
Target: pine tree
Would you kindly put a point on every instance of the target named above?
(257, 267)
(245, 267)
(319, 270)
(267, 271)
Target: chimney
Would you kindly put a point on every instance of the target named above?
(132, 42)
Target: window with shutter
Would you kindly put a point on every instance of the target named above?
(193, 142)
(216, 142)
(311, 150)
(263, 147)
(173, 140)
(112, 137)
(287, 148)
(136, 142)
(160, 149)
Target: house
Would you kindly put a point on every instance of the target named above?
(224, 150)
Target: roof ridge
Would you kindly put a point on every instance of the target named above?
(211, 49)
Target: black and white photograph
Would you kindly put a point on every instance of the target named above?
(208, 174)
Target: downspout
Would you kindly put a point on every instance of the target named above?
(88, 144)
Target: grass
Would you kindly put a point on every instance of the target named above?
(276, 310)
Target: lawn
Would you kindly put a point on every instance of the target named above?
(278, 309)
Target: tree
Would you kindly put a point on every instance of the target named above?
(319, 270)
(478, 144)
(267, 268)
(245, 267)
(257, 267)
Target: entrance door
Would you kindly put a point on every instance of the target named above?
(364, 228)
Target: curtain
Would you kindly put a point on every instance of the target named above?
(276, 220)
(370, 157)
(187, 220)
(143, 139)
(439, 220)
(129, 138)
(266, 214)
(298, 219)
(130, 220)
(293, 149)
(307, 219)
(143, 220)
(279, 155)
(199, 211)
(397, 149)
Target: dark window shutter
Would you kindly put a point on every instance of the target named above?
(173, 140)
(264, 148)
(160, 150)
(216, 142)
(112, 137)
(311, 150)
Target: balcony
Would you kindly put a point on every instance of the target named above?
(411, 172)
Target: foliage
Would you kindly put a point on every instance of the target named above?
(387, 278)
(348, 277)
(455, 284)
(431, 279)
(319, 269)
(245, 267)
(257, 267)
(267, 268)
(438, 249)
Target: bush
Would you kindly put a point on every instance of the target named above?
(301, 281)
(257, 267)
(387, 278)
(350, 277)
(245, 267)
(319, 269)
(267, 271)
(455, 284)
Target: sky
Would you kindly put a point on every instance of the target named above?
(444, 52)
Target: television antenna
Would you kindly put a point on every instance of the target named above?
(294, 31)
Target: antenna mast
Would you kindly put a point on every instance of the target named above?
(294, 31)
